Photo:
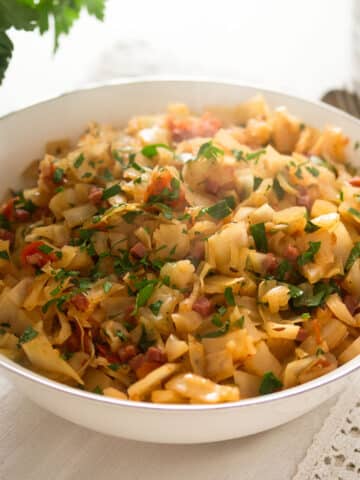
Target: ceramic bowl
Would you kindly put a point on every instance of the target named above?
(22, 138)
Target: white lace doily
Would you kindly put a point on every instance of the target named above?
(335, 451)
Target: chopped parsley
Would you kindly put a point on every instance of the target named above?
(283, 268)
(45, 248)
(224, 328)
(111, 191)
(257, 182)
(229, 297)
(319, 351)
(150, 151)
(58, 175)
(134, 165)
(221, 209)
(239, 322)
(98, 390)
(107, 286)
(353, 256)
(209, 151)
(306, 316)
(255, 155)
(238, 154)
(155, 307)
(294, 291)
(269, 383)
(129, 217)
(259, 235)
(308, 255)
(356, 145)
(354, 212)
(310, 227)
(145, 341)
(79, 160)
(279, 191)
(314, 171)
(114, 366)
(316, 295)
(4, 255)
(121, 335)
(28, 334)
(144, 294)
(107, 175)
(321, 162)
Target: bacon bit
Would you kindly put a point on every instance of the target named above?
(6, 235)
(21, 214)
(160, 181)
(80, 301)
(302, 335)
(271, 263)
(105, 352)
(211, 186)
(138, 250)
(127, 352)
(129, 314)
(304, 199)
(317, 330)
(72, 344)
(8, 208)
(145, 363)
(355, 182)
(145, 368)
(183, 128)
(351, 303)
(95, 195)
(198, 250)
(291, 253)
(203, 306)
(154, 354)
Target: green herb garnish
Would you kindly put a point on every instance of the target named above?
(279, 191)
(111, 191)
(107, 286)
(353, 256)
(45, 248)
(229, 297)
(209, 151)
(58, 175)
(269, 383)
(4, 255)
(80, 159)
(259, 235)
(155, 307)
(308, 255)
(28, 335)
(150, 151)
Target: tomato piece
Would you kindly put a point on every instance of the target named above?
(163, 188)
(355, 182)
(32, 255)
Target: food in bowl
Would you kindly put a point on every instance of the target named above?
(185, 258)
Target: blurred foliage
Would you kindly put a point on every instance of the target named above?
(39, 15)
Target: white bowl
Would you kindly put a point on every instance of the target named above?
(22, 138)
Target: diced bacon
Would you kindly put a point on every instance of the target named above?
(137, 361)
(198, 250)
(212, 186)
(127, 352)
(355, 182)
(6, 235)
(21, 214)
(95, 195)
(271, 263)
(80, 301)
(138, 250)
(154, 354)
(145, 363)
(203, 306)
(105, 351)
(304, 199)
(291, 253)
(183, 128)
(352, 303)
(302, 335)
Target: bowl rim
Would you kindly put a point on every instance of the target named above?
(338, 373)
